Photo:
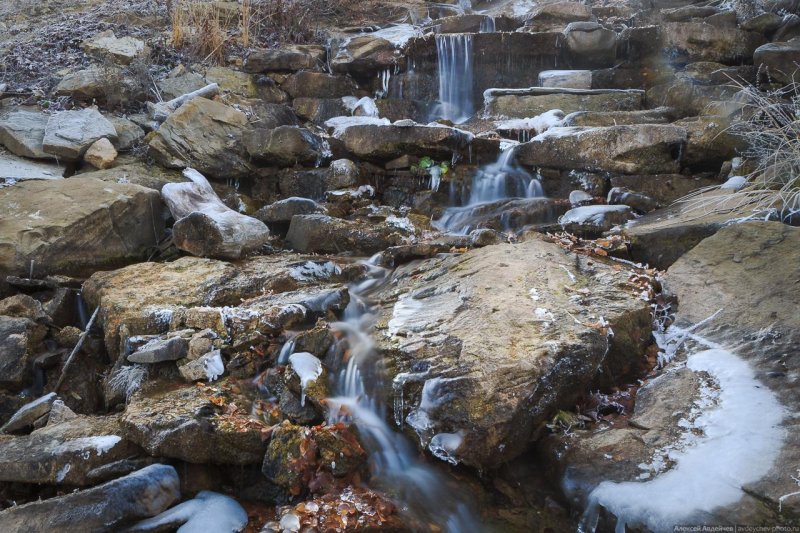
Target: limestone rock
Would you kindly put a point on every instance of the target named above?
(281, 212)
(122, 50)
(490, 387)
(22, 132)
(205, 135)
(594, 219)
(525, 103)
(20, 340)
(287, 58)
(63, 453)
(128, 133)
(76, 225)
(324, 234)
(70, 133)
(307, 84)
(101, 154)
(556, 16)
(158, 350)
(20, 169)
(387, 142)
(779, 59)
(205, 226)
(206, 367)
(639, 149)
(179, 423)
(697, 41)
(29, 413)
(191, 292)
(141, 494)
(364, 56)
(286, 146)
(590, 45)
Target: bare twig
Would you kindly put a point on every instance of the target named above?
(76, 350)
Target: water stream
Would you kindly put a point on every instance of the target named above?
(455, 61)
(492, 184)
(425, 495)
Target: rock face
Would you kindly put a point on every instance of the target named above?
(640, 149)
(698, 41)
(205, 226)
(74, 225)
(70, 133)
(496, 362)
(205, 135)
(590, 45)
(22, 132)
(141, 494)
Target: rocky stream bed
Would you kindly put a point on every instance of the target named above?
(425, 274)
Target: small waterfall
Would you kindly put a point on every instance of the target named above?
(395, 463)
(455, 76)
(491, 184)
(487, 25)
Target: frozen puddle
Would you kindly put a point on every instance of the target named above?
(739, 441)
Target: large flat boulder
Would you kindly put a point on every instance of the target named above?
(635, 149)
(203, 134)
(192, 292)
(179, 423)
(287, 58)
(75, 226)
(142, 494)
(326, 234)
(384, 142)
(525, 103)
(779, 59)
(17, 168)
(120, 50)
(486, 346)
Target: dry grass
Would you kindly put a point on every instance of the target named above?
(198, 28)
(271, 22)
(770, 124)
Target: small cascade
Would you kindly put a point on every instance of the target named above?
(425, 494)
(455, 59)
(492, 185)
(487, 25)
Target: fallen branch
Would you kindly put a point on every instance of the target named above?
(161, 110)
(76, 350)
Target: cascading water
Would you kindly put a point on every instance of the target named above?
(454, 53)
(499, 181)
(423, 492)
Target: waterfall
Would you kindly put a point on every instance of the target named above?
(487, 25)
(455, 76)
(501, 180)
(394, 462)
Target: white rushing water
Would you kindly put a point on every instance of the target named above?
(734, 440)
(395, 464)
(454, 52)
(501, 180)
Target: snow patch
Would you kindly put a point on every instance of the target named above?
(340, 124)
(710, 472)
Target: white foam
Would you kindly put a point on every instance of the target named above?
(739, 442)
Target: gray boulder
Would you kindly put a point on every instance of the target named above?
(324, 234)
(22, 132)
(70, 133)
(142, 494)
(286, 146)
